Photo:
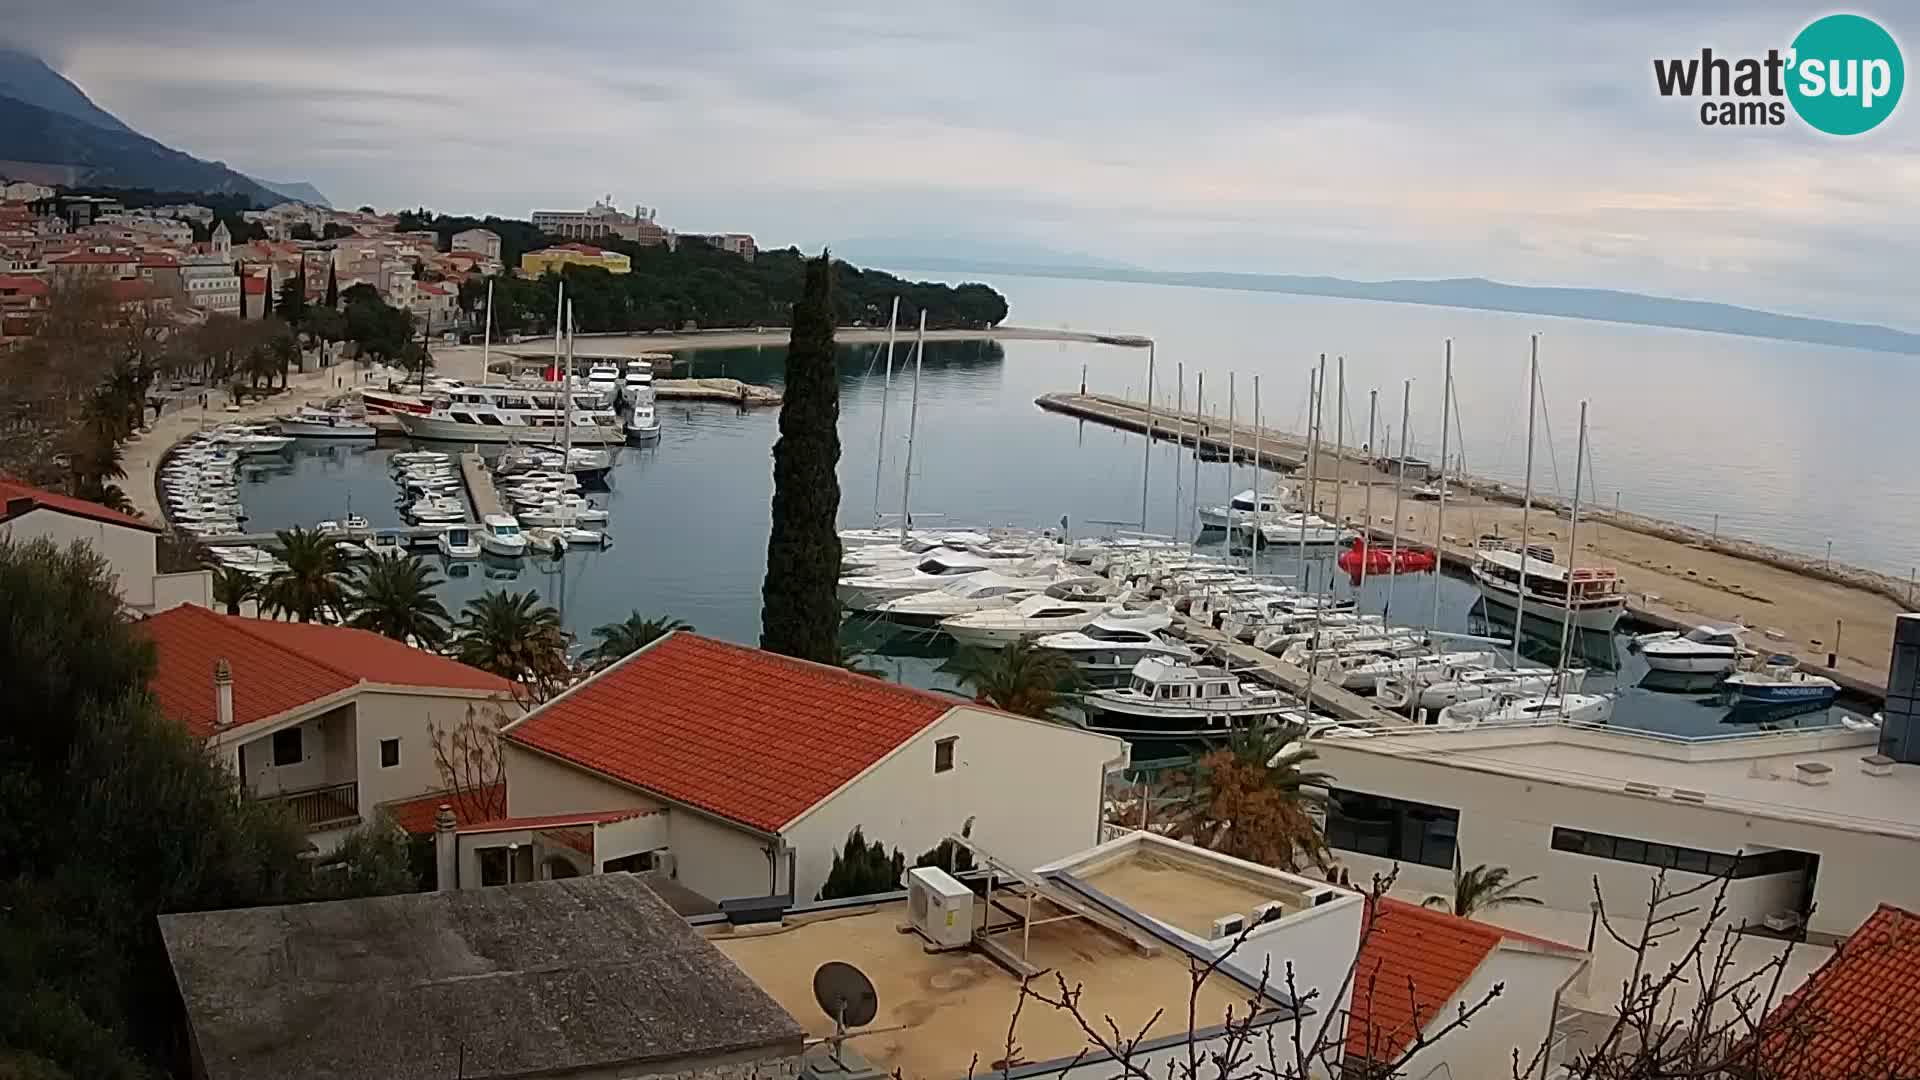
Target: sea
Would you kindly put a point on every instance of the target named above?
(1791, 444)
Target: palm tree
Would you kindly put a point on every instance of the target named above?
(1253, 798)
(393, 596)
(231, 588)
(629, 635)
(1482, 887)
(1021, 678)
(309, 588)
(516, 637)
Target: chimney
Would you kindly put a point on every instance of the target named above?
(446, 862)
(222, 695)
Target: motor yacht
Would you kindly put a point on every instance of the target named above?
(1034, 616)
(959, 596)
(1510, 708)
(1778, 681)
(1107, 649)
(458, 542)
(1173, 699)
(500, 535)
(1704, 649)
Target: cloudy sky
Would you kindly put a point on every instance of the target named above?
(1521, 141)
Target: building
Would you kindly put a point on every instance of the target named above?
(435, 305)
(482, 242)
(740, 244)
(755, 767)
(536, 263)
(600, 221)
(100, 262)
(1858, 1015)
(329, 720)
(184, 211)
(23, 305)
(23, 191)
(128, 544)
(149, 227)
(590, 978)
(1813, 826)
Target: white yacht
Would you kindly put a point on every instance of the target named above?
(862, 591)
(643, 422)
(1367, 673)
(458, 542)
(500, 535)
(553, 513)
(984, 591)
(1169, 699)
(603, 378)
(387, 542)
(1111, 645)
(308, 422)
(531, 413)
(1431, 689)
(1597, 599)
(245, 440)
(436, 511)
(1032, 617)
(1704, 649)
(1508, 708)
(1289, 528)
(636, 384)
(1244, 510)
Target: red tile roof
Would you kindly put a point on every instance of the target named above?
(746, 735)
(549, 821)
(21, 285)
(415, 816)
(36, 499)
(103, 258)
(279, 666)
(584, 249)
(1436, 951)
(1858, 1015)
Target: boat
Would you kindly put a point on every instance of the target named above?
(1596, 602)
(1377, 559)
(500, 535)
(870, 590)
(1778, 681)
(1111, 645)
(457, 542)
(1508, 708)
(243, 441)
(636, 384)
(1031, 617)
(642, 422)
(1366, 673)
(1309, 529)
(1243, 510)
(308, 422)
(1704, 649)
(1173, 699)
(550, 541)
(394, 402)
(576, 536)
(437, 512)
(523, 413)
(387, 542)
(1439, 689)
(603, 378)
(967, 593)
(554, 513)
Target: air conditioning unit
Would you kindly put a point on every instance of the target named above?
(939, 908)
(1227, 926)
(663, 862)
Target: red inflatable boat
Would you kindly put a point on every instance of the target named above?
(1383, 560)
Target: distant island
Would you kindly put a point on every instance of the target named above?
(1606, 305)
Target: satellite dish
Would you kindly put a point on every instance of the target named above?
(846, 994)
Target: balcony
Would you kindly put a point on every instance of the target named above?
(319, 809)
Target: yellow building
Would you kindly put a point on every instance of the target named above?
(536, 263)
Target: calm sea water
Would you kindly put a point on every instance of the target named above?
(1672, 429)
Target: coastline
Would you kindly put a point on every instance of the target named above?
(620, 345)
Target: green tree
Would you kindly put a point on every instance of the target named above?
(333, 288)
(800, 611)
(292, 305)
(309, 589)
(1253, 798)
(1020, 678)
(232, 588)
(517, 637)
(392, 595)
(372, 860)
(1482, 887)
(862, 869)
(615, 641)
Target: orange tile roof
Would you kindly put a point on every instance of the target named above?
(21, 285)
(1859, 1015)
(279, 665)
(746, 735)
(549, 821)
(11, 492)
(415, 816)
(1435, 951)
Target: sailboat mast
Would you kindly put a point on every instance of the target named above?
(1316, 388)
(486, 333)
(559, 328)
(1199, 410)
(1399, 482)
(1179, 437)
(1526, 497)
(1259, 518)
(1440, 514)
(1339, 450)
(1146, 460)
(913, 421)
(1573, 556)
(1232, 430)
(566, 395)
(886, 391)
(1366, 512)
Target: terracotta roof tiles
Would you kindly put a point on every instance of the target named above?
(36, 499)
(1435, 952)
(1859, 1015)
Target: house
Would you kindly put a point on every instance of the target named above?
(594, 977)
(23, 304)
(1419, 967)
(98, 263)
(536, 263)
(482, 242)
(133, 294)
(330, 720)
(754, 767)
(127, 543)
(601, 220)
(740, 244)
(434, 305)
(1858, 1015)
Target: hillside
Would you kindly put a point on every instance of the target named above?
(297, 190)
(24, 77)
(118, 158)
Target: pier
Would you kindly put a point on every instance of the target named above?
(733, 391)
(480, 491)
(1335, 701)
(1211, 434)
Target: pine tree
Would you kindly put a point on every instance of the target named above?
(333, 289)
(862, 869)
(800, 612)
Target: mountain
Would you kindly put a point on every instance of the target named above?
(49, 127)
(1605, 305)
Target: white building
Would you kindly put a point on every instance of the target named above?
(752, 768)
(600, 221)
(329, 720)
(1807, 821)
(151, 227)
(126, 543)
(484, 242)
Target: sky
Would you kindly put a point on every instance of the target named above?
(1519, 141)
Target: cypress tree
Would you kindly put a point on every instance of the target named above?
(799, 610)
(266, 295)
(333, 288)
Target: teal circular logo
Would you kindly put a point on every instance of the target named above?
(1846, 74)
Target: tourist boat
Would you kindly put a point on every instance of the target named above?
(1309, 529)
(1374, 559)
(643, 422)
(308, 422)
(1778, 681)
(1172, 699)
(457, 542)
(1108, 648)
(1596, 601)
(1243, 510)
(968, 593)
(514, 413)
(1510, 708)
(387, 542)
(1704, 649)
(500, 535)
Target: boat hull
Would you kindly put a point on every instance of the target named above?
(1688, 663)
(1810, 695)
(1137, 726)
(300, 429)
(1601, 617)
(428, 427)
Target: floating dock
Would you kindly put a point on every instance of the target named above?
(744, 394)
(481, 495)
(1211, 434)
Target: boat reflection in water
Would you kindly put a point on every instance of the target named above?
(1682, 682)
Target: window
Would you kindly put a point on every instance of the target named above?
(628, 864)
(943, 754)
(286, 747)
(1675, 857)
(389, 753)
(1392, 828)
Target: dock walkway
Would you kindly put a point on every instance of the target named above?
(729, 390)
(1335, 701)
(480, 491)
(1212, 434)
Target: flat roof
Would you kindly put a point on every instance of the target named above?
(1748, 774)
(1180, 894)
(590, 973)
(946, 1007)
